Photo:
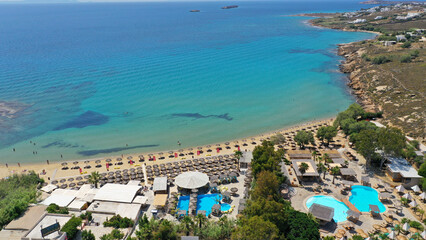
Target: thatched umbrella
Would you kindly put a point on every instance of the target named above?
(64, 164)
(72, 185)
(234, 189)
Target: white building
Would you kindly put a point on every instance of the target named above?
(359, 20)
(399, 170)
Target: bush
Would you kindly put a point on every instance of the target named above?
(406, 59)
(417, 225)
(119, 222)
(380, 60)
(114, 235)
(414, 53)
(87, 215)
(16, 193)
(406, 45)
(87, 235)
(71, 227)
(53, 208)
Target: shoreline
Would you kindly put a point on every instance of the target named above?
(53, 169)
(55, 165)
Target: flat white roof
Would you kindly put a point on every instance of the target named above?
(130, 210)
(60, 200)
(141, 200)
(46, 221)
(49, 188)
(133, 182)
(67, 192)
(77, 204)
(401, 166)
(117, 193)
(160, 184)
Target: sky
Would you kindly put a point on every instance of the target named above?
(74, 1)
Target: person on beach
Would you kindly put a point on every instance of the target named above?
(13, 149)
(7, 165)
(47, 162)
(19, 165)
(179, 143)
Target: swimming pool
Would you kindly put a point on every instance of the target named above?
(340, 208)
(204, 202)
(363, 196)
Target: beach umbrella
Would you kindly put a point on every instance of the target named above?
(423, 234)
(422, 196)
(408, 196)
(234, 189)
(413, 203)
(416, 188)
(97, 161)
(64, 164)
(405, 227)
(392, 235)
(75, 163)
(119, 159)
(400, 188)
(108, 160)
(62, 180)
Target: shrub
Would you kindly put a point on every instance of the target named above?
(406, 59)
(119, 222)
(406, 45)
(417, 225)
(71, 227)
(380, 60)
(16, 193)
(53, 208)
(114, 235)
(414, 53)
(87, 235)
(87, 215)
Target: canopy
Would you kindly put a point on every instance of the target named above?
(416, 188)
(192, 180)
(400, 188)
(423, 196)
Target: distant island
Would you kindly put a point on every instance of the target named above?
(229, 7)
(195, 10)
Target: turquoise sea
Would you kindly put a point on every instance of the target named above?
(102, 79)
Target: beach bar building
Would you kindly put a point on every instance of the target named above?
(160, 185)
(245, 160)
(323, 213)
(310, 174)
(399, 170)
(299, 154)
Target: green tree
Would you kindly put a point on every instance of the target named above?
(366, 144)
(303, 138)
(94, 178)
(166, 231)
(267, 186)
(87, 235)
(278, 139)
(265, 158)
(322, 169)
(114, 235)
(335, 171)
(201, 220)
(326, 133)
(406, 45)
(303, 167)
(71, 227)
(238, 154)
(296, 231)
(255, 228)
(391, 141)
(187, 224)
(314, 155)
(53, 208)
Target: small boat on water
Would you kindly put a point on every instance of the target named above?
(229, 7)
(195, 10)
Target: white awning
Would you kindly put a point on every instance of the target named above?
(192, 180)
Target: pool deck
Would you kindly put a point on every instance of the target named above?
(366, 222)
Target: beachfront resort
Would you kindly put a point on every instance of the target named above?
(325, 178)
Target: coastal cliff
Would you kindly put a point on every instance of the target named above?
(386, 73)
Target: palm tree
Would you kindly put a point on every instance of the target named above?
(421, 211)
(398, 229)
(94, 178)
(187, 224)
(404, 201)
(303, 167)
(322, 169)
(334, 172)
(314, 155)
(200, 219)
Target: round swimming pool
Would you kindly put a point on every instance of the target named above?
(340, 208)
(363, 196)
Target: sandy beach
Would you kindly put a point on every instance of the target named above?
(54, 171)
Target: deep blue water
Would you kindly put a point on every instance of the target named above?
(111, 78)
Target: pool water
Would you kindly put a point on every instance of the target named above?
(363, 196)
(204, 202)
(340, 208)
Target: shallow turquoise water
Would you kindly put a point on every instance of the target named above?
(204, 202)
(363, 196)
(340, 208)
(109, 79)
